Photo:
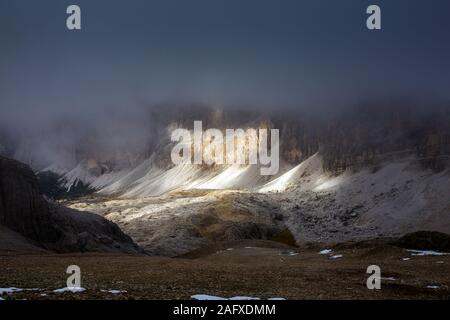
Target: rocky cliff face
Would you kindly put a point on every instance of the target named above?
(369, 136)
(350, 139)
(24, 210)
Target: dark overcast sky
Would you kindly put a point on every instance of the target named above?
(265, 53)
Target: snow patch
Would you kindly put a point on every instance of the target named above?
(209, 297)
(206, 297)
(70, 289)
(289, 253)
(114, 291)
(9, 290)
(14, 289)
(244, 298)
(388, 278)
(432, 287)
(427, 253)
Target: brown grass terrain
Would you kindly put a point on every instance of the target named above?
(248, 268)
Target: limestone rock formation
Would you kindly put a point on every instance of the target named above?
(24, 210)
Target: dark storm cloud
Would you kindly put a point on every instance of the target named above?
(264, 54)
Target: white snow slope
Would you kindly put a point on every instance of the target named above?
(397, 191)
(148, 179)
(392, 199)
(387, 200)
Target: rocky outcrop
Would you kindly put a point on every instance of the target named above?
(24, 210)
(425, 240)
(85, 231)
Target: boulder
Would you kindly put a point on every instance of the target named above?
(425, 240)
